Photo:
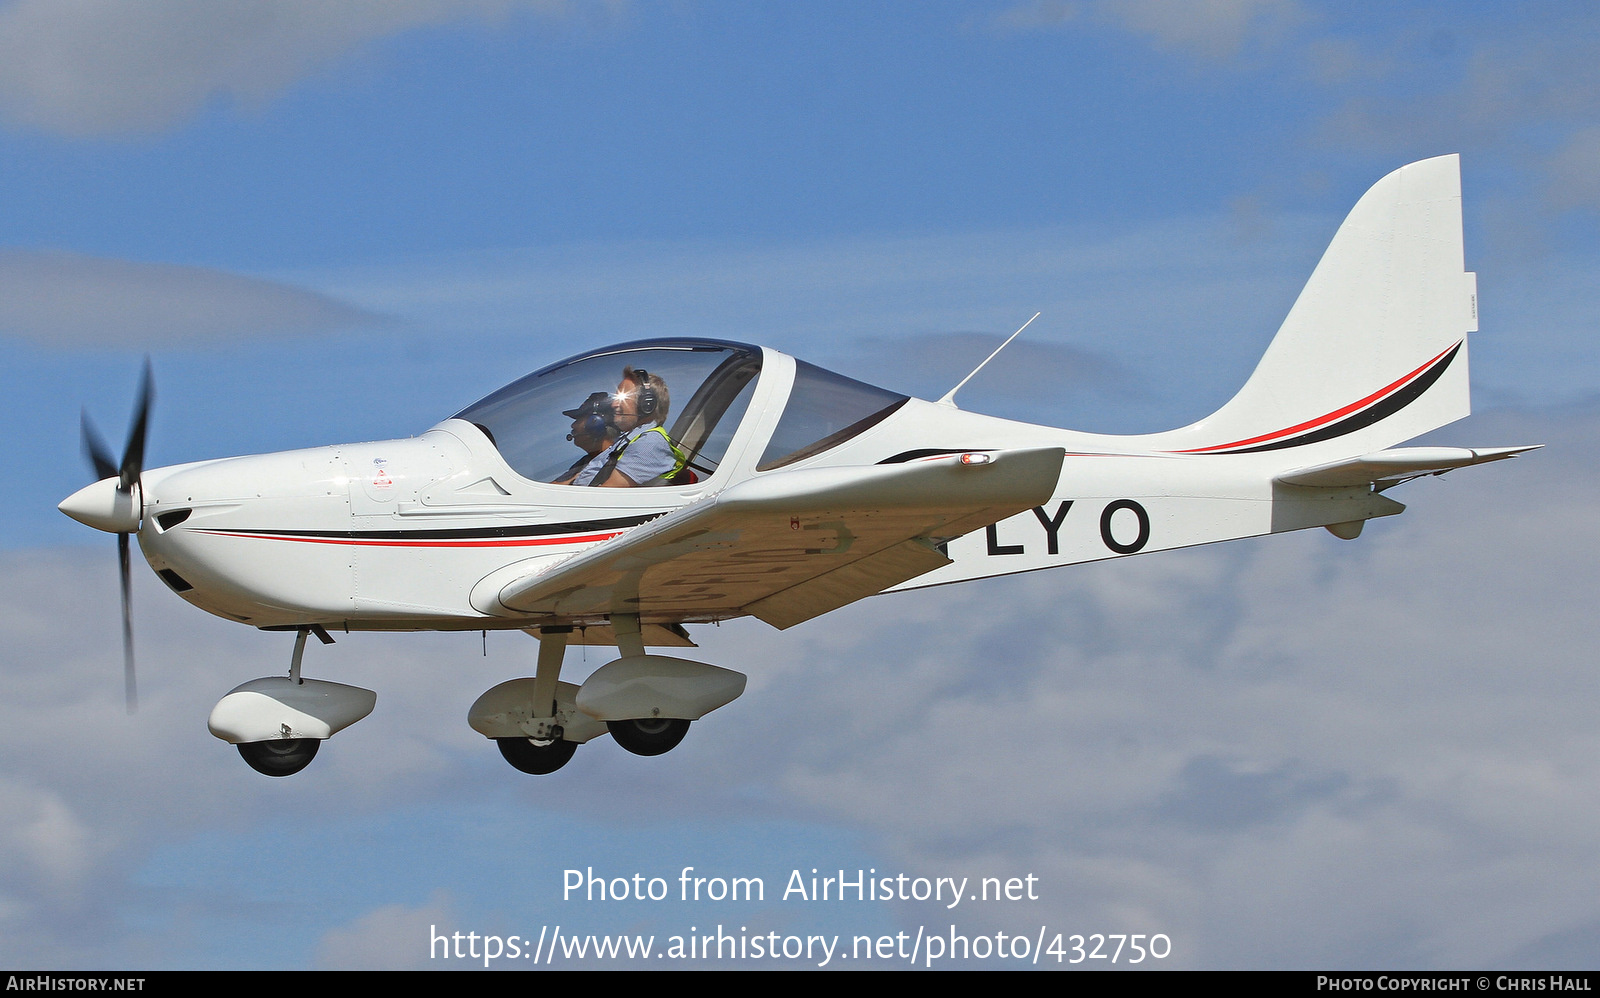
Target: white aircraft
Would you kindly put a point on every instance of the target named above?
(792, 491)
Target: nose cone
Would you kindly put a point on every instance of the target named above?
(104, 507)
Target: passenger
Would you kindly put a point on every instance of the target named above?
(594, 429)
(643, 454)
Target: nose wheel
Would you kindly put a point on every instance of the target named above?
(279, 722)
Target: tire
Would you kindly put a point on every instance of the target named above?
(649, 735)
(536, 758)
(281, 756)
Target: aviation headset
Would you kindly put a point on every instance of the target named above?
(593, 418)
(591, 426)
(646, 401)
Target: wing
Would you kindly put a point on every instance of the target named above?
(1389, 467)
(785, 546)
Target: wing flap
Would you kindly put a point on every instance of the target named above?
(788, 546)
(1390, 466)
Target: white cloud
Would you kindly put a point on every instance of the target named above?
(1213, 29)
(1036, 14)
(71, 300)
(1523, 90)
(42, 840)
(1574, 171)
(1512, 80)
(1518, 86)
(103, 67)
(391, 937)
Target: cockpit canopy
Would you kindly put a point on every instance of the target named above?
(708, 386)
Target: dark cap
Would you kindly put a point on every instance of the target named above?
(597, 404)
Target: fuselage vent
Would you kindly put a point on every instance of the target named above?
(166, 521)
(176, 582)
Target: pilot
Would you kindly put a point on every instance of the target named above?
(594, 430)
(643, 454)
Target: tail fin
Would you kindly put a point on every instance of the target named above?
(1374, 351)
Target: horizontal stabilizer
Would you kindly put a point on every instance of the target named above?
(1390, 466)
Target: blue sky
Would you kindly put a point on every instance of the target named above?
(329, 222)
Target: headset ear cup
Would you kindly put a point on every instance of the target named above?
(645, 399)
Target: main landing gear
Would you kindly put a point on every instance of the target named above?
(649, 735)
(279, 723)
(284, 757)
(535, 757)
(645, 702)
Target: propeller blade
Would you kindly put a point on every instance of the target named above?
(130, 685)
(95, 449)
(127, 474)
(133, 454)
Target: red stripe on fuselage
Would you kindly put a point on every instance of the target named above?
(395, 543)
(1330, 417)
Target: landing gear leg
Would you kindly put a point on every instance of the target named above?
(629, 635)
(642, 735)
(546, 751)
(552, 650)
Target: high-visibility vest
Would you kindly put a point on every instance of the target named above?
(680, 459)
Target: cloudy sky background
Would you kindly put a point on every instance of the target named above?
(328, 222)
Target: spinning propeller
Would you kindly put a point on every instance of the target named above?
(115, 503)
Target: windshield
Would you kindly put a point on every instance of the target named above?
(825, 410)
(550, 424)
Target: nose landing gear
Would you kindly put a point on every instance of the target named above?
(280, 722)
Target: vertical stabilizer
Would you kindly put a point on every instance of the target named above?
(1374, 350)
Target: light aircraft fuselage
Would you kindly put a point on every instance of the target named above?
(762, 485)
